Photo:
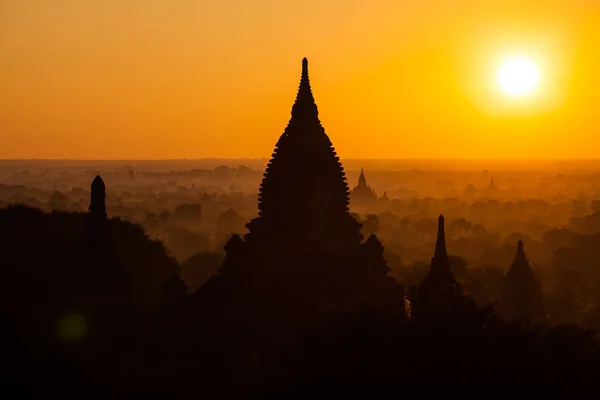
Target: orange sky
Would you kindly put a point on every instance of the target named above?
(111, 79)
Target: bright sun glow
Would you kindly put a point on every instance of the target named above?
(518, 76)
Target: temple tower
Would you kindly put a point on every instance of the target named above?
(304, 254)
(362, 180)
(98, 198)
(521, 296)
(363, 193)
(492, 189)
(304, 197)
(101, 272)
(439, 293)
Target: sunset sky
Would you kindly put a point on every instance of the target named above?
(155, 79)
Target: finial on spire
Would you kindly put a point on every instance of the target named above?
(305, 108)
(440, 245)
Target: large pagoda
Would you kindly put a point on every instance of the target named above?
(304, 253)
(304, 197)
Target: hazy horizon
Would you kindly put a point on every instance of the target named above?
(449, 159)
(554, 166)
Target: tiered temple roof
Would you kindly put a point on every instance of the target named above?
(304, 255)
(439, 293)
(304, 196)
(522, 295)
(363, 192)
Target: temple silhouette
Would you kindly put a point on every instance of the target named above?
(439, 294)
(522, 295)
(303, 256)
(97, 208)
(101, 272)
(492, 189)
(362, 193)
(93, 306)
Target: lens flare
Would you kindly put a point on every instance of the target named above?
(71, 328)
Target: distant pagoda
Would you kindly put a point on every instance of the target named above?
(492, 189)
(439, 294)
(97, 206)
(363, 193)
(102, 275)
(304, 254)
(521, 296)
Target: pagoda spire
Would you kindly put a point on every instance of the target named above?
(439, 293)
(98, 198)
(440, 245)
(440, 263)
(363, 193)
(520, 256)
(305, 108)
(362, 180)
(521, 296)
(304, 196)
(520, 262)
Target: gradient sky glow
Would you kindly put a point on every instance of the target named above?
(155, 79)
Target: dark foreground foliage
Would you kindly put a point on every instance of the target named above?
(153, 346)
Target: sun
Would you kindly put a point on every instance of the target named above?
(518, 76)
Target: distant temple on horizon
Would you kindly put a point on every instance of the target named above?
(363, 193)
(492, 189)
(304, 253)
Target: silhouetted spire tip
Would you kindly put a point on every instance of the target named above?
(520, 249)
(372, 238)
(362, 180)
(440, 245)
(98, 182)
(235, 238)
(97, 198)
(304, 107)
(305, 66)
